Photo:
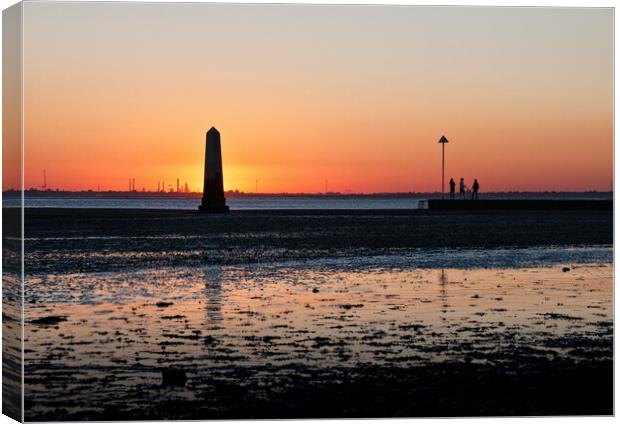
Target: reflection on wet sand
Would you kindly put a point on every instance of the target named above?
(259, 328)
(443, 280)
(213, 292)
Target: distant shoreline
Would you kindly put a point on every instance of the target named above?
(336, 195)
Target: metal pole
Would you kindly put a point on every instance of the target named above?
(443, 146)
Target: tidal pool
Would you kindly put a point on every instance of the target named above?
(99, 341)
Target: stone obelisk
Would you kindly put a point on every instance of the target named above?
(213, 200)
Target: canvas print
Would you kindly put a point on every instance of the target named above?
(225, 211)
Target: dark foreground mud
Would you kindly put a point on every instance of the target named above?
(523, 385)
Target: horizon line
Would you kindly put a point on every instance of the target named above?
(282, 193)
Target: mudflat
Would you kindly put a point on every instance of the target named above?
(146, 314)
(164, 237)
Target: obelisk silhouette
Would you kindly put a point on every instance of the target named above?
(213, 200)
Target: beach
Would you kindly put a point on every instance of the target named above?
(151, 314)
(70, 240)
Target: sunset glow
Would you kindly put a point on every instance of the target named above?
(355, 95)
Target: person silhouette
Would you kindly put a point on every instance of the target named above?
(462, 188)
(474, 189)
(452, 186)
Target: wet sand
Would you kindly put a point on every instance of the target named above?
(273, 314)
(110, 240)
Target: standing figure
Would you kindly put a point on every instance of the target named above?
(462, 189)
(452, 186)
(474, 190)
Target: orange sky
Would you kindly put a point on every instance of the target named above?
(355, 95)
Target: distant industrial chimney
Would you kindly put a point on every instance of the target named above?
(213, 200)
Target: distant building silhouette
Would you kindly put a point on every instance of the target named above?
(213, 194)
